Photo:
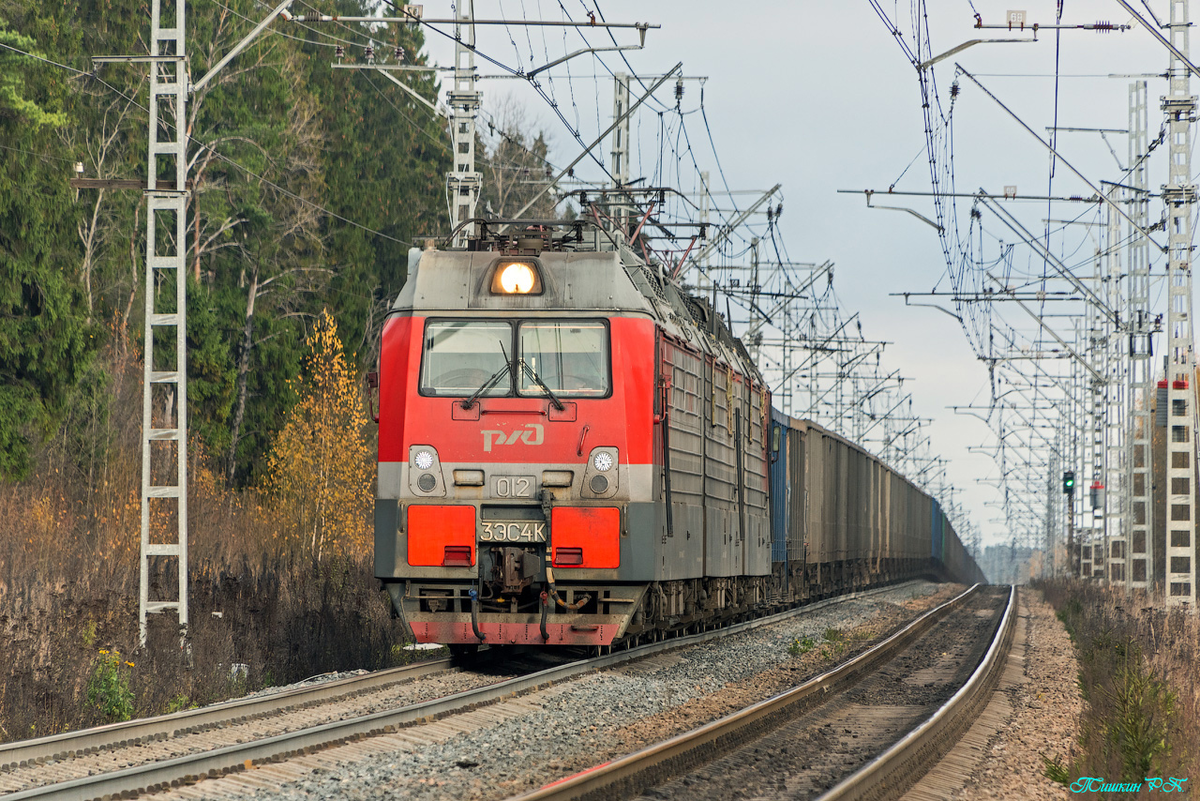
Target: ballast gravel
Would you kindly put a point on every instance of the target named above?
(1044, 722)
(578, 724)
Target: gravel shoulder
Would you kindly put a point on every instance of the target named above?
(1046, 708)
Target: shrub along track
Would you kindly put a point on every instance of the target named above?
(140, 756)
(833, 728)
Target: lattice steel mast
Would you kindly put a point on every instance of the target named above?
(1138, 548)
(464, 181)
(164, 436)
(1180, 197)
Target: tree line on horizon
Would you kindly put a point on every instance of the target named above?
(309, 186)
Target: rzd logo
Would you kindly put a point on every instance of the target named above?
(532, 435)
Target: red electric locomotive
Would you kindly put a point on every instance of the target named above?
(571, 451)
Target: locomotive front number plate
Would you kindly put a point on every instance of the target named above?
(512, 531)
(513, 486)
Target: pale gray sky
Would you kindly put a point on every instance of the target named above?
(817, 96)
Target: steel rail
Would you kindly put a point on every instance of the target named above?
(26, 752)
(889, 774)
(631, 775)
(158, 775)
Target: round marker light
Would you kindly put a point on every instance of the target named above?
(602, 462)
(424, 460)
(517, 278)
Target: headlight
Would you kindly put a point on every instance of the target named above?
(516, 278)
(602, 461)
(423, 460)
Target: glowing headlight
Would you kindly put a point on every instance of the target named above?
(513, 277)
(423, 460)
(517, 278)
(602, 461)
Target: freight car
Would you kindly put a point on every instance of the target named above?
(573, 451)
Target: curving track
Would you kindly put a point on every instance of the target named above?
(142, 756)
(866, 729)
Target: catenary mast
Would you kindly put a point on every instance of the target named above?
(1180, 197)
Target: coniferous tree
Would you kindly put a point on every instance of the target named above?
(309, 187)
(45, 341)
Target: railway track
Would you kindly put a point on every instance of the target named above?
(181, 749)
(804, 742)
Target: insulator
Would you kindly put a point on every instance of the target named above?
(369, 53)
(340, 52)
(678, 89)
(1105, 27)
(779, 210)
(398, 54)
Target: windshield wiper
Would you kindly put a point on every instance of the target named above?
(529, 371)
(491, 382)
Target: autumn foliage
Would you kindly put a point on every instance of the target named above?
(320, 468)
(280, 574)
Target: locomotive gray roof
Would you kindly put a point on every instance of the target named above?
(458, 281)
(603, 282)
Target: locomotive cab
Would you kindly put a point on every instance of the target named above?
(515, 443)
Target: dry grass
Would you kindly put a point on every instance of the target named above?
(69, 578)
(1138, 676)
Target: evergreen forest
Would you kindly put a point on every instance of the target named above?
(309, 186)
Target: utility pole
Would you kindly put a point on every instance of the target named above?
(164, 525)
(463, 182)
(1114, 492)
(1180, 197)
(1139, 485)
(1097, 347)
(754, 346)
(1072, 547)
(1049, 556)
(164, 372)
(620, 144)
(1077, 534)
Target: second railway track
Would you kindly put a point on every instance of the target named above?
(150, 763)
(865, 730)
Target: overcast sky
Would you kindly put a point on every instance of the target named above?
(817, 96)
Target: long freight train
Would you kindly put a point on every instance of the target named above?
(574, 451)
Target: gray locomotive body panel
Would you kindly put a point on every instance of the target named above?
(700, 521)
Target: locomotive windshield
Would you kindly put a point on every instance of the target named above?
(570, 357)
(460, 356)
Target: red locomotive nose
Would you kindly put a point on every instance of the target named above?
(573, 451)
